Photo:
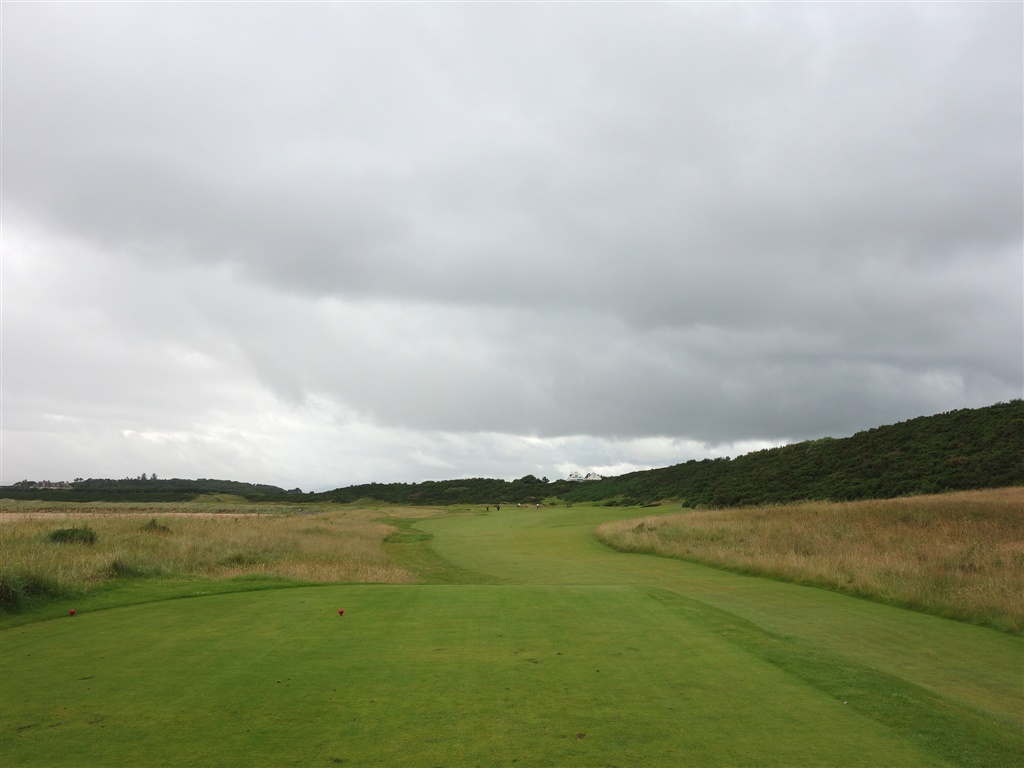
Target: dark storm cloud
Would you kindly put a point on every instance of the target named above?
(703, 223)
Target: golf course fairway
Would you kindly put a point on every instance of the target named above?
(561, 653)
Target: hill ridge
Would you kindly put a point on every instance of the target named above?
(964, 449)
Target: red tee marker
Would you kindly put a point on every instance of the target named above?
(71, 612)
(341, 611)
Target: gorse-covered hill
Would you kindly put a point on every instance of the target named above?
(958, 450)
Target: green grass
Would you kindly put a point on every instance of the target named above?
(431, 675)
(413, 549)
(560, 652)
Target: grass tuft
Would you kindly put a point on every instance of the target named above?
(154, 527)
(83, 535)
(23, 590)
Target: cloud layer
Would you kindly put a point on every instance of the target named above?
(330, 243)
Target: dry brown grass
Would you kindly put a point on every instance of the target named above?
(959, 555)
(208, 540)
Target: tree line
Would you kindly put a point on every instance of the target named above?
(957, 450)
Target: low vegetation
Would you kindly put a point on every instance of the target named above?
(41, 556)
(958, 555)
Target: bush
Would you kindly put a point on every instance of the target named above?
(154, 527)
(74, 536)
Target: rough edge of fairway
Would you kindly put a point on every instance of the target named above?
(952, 731)
(408, 546)
(996, 618)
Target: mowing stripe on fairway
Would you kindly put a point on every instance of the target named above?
(976, 666)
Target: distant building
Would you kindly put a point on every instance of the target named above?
(576, 477)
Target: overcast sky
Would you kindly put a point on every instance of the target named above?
(324, 244)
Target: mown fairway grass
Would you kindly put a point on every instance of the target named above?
(561, 653)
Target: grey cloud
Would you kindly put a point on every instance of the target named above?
(671, 145)
(690, 222)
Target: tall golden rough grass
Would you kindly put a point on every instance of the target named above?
(959, 555)
(223, 541)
